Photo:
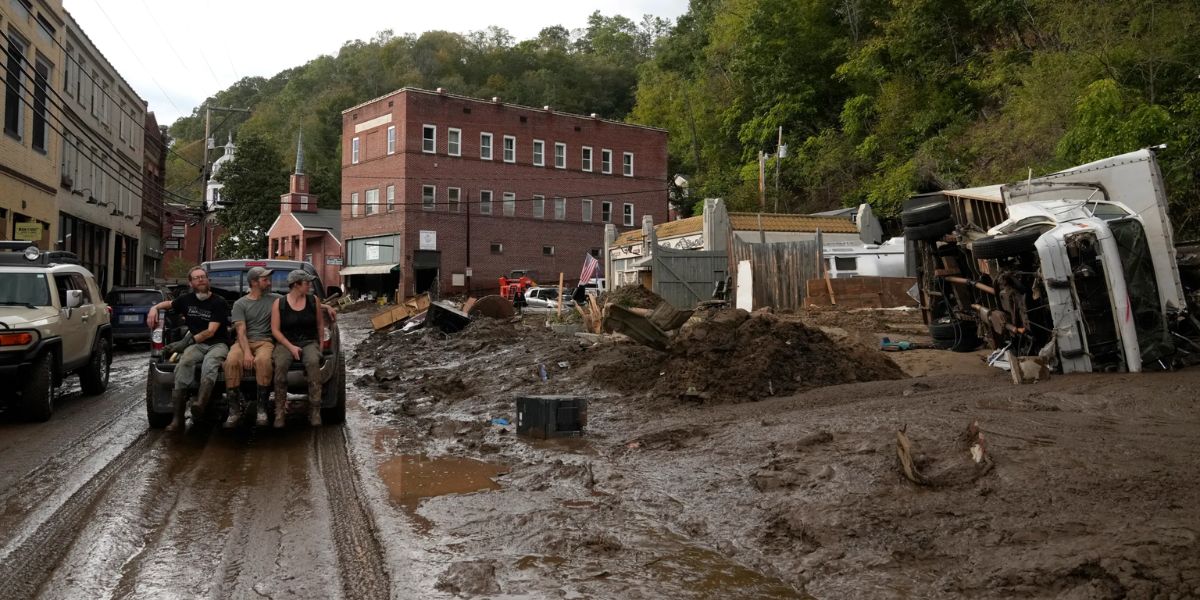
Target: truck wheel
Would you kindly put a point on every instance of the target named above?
(336, 388)
(931, 231)
(954, 335)
(1004, 245)
(37, 392)
(93, 379)
(157, 420)
(923, 211)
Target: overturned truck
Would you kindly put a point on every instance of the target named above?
(1078, 266)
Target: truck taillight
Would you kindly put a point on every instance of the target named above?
(156, 337)
(326, 339)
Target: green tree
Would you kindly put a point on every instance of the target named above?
(254, 181)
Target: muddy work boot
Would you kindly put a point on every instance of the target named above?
(280, 410)
(233, 397)
(264, 395)
(179, 400)
(314, 403)
(202, 398)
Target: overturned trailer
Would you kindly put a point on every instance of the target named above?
(1078, 266)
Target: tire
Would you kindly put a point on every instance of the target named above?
(336, 388)
(37, 392)
(93, 379)
(925, 211)
(1004, 245)
(953, 335)
(157, 420)
(930, 231)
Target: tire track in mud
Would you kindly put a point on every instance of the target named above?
(26, 569)
(360, 556)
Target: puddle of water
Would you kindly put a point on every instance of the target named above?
(710, 575)
(410, 479)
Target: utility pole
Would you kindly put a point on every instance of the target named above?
(762, 186)
(780, 152)
(206, 250)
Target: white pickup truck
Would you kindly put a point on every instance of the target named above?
(1078, 266)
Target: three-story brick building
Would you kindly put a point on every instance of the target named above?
(448, 193)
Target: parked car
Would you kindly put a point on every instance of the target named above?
(228, 279)
(129, 308)
(544, 298)
(53, 323)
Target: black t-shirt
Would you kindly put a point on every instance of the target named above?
(197, 314)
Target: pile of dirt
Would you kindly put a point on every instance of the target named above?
(735, 356)
(631, 296)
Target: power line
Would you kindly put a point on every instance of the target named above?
(136, 56)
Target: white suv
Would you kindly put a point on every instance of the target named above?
(53, 322)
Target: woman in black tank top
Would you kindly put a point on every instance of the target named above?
(297, 325)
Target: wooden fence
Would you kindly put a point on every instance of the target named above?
(780, 270)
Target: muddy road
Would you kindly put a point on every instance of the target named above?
(761, 463)
(94, 504)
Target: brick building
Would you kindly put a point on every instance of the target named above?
(154, 180)
(447, 192)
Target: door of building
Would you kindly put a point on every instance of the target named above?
(427, 265)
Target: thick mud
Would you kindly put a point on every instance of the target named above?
(697, 480)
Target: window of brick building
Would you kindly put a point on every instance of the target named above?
(354, 204)
(454, 142)
(606, 161)
(485, 202)
(429, 139)
(510, 204)
(303, 202)
(560, 208)
(606, 212)
(14, 79)
(497, 248)
(485, 146)
(586, 158)
(41, 83)
(585, 206)
(510, 149)
(428, 197)
(547, 250)
(628, 212)
(627, 164)
(354, 151)
(539, 207)
(373, 201)
(560, 155)
(539, 153)
(391, 139)
(391, 198)
(454, 199)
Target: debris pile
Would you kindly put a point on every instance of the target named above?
(737, 356)
(631, 296)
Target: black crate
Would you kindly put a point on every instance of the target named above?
(551, 416)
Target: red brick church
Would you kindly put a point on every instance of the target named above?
(304, 232)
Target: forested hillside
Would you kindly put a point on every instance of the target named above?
(877, 98)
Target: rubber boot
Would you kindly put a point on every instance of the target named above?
(264, 394)
(233, 396)
(202, 398)
(280, 409)
(179, 399)
(314, 403)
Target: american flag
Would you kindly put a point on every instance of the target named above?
(590, 265)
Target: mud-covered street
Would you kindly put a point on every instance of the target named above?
(773, 476)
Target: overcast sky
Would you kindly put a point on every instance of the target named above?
(175, 54)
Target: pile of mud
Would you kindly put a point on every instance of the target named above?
(631, 296)
(734, 356)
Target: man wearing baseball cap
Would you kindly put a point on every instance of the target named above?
(252, 321)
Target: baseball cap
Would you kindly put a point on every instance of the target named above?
(257, 272)
(297, 276)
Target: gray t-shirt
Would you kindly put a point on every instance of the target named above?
(256, 314)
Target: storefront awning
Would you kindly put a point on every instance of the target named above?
(369, 269)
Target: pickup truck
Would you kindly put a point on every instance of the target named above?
(228, 278)
(1078, 266)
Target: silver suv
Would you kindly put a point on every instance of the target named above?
(53, 322)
